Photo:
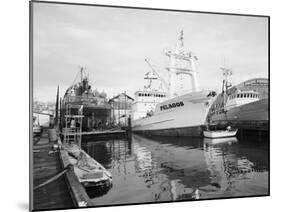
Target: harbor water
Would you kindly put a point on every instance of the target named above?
(157, 169)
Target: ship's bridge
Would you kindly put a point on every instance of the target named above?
(240, 98)
(155, 94)
(146, 101)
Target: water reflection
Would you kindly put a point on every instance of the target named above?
(151, 169)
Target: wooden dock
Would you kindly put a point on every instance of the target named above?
(75, 188)
(62, 193)
(45, 165)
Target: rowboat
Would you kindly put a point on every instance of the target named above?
(89, 172)
(220, 133)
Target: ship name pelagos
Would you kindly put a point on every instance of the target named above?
(172, 105)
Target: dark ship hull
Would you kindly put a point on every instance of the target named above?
(252, 116)
(80, 99)
(95, 117)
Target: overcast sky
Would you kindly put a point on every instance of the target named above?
(112, 44)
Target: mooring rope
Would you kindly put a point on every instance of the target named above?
(67, 168)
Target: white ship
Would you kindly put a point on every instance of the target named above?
(181, 108)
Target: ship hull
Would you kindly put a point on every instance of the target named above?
(188, 119)
(94, 116)
(252, 116)
(195, 131)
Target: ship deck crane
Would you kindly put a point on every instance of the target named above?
(157, 74)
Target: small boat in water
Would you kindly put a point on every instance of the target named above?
(220, 133)
(89, 172)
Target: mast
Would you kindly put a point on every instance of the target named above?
(81, 72)
(178, 58)
(57, 107)
(181, 39)
(226, 72)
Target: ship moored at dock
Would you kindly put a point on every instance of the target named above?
(178, 111)
(244, 106)
(80, 98)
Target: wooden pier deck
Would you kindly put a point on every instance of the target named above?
(45, 165)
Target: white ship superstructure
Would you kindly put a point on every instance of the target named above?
(147, 98)
(182, 108)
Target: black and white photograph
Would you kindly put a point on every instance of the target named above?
(138, 105)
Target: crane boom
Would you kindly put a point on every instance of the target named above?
(158, 75)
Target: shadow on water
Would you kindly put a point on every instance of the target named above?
(151, 169)
(97, 191)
